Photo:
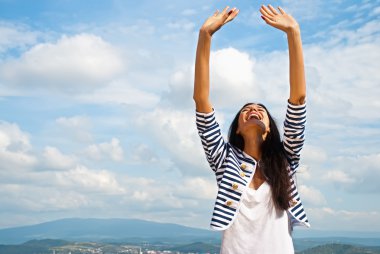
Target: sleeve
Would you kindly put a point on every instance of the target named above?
(212, 140)
(294, 129)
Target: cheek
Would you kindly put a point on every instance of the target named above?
(267, 123)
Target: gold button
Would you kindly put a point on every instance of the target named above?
(243, 166)
(235, 186)
(229, 203)
(242, 174)
(293, 202)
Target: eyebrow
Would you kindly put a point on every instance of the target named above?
(260, 107)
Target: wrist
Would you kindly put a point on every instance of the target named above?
(204, 34)
(293, 30)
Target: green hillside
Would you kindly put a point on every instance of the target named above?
(335, 248)
(197, 247)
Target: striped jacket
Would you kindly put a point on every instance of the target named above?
(234, 168)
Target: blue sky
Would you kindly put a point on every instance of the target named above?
(97, 117)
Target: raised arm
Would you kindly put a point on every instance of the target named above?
(286, 23)
(202, 61)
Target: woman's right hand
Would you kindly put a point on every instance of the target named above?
(219, 19)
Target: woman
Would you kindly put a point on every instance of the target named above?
(257, 203)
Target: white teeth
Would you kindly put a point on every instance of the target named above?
(253, 116)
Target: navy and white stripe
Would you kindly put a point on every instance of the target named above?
(234, 169)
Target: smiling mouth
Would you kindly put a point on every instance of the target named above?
(255, 116)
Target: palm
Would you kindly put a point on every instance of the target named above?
(218, 19)
(280, 20)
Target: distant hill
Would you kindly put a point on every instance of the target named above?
(32, 247)
(197, 247)
(105, 230)
(341, 249)
(301, 244)
(141, 231)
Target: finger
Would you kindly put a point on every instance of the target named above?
(264, 13)
(225, 10)
(268, 21)
(231, 11)
(272, 9)
(232, 15)
(215, 13)
(281, 10)
(266, 10)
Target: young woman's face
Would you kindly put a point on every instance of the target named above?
(253, 116)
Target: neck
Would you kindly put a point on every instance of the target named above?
(252, 146)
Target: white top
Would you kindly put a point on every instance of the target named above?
(259, 227)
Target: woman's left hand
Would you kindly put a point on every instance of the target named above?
(280, 20)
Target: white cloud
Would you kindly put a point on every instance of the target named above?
(304, 10)
(189, 12)
(232, 81)
(311, 196)
(175, 131)
(28, 197)
(76, 127)
(198, 188)
(338, 176)
(375, 11)
(232, 78)
(74, 64)
(73, 122)
(16, 36)
(182, 25)
(54, 159)
(144, 154)
(357, 173)
(15, 148)
(120, 92)
(327, 218)
(313, 154)
(111, 150)
(83, 179)
(303, 173)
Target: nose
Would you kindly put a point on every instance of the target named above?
(254, 108)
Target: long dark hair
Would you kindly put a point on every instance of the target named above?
(273, 161)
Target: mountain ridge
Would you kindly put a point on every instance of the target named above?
(137, 230)
(100, 229)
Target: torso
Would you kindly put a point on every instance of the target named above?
(259, 227)
(257, 180)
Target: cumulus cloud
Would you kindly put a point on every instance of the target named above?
(182, 25)
(312, 153)
(73, 65)
(175, 131)
(88, 180)
(338, 176)
(144, 154)
(189, 12)
(198, 188)
(55, 159)
(111, 150)
(356, 173)
(304, 10)
(311, 196)
(232, 80)
(16, 36)
(34, 198)
(328, 218)
(120, 92)
(76, 188)
(77, 127)
(15, 148)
